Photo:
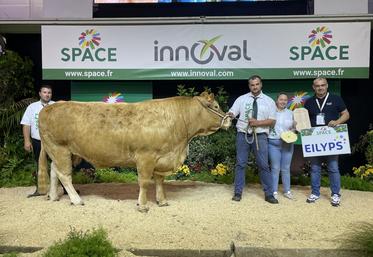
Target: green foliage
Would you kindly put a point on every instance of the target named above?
(110, 175)
(221, 96)
(11, 115)
(182, 91)
(199, 157)
(206, 176)
(365, 145)
(206, 152)
(81, 177)
(360, 237)
(223, 146)
(107, 175)
(347, 182)
(365, 172)
(81, 244)
(10, 255)
(16, 166)
(16, 81)
(301, 180)
(16, 90)
(354, 183)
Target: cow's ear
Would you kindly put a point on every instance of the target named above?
(211, 97)
(205, 94)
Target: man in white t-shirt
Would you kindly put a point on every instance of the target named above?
(31, 126)
(257, 113)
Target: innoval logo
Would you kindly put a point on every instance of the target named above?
(201, 52)
(89, 50)
(319, 47)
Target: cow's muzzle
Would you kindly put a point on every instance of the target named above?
(226, 122)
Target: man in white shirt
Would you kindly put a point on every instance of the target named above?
(31, 126)
(257, 113)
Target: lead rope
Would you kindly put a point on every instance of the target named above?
(224, 117)
(255, 136)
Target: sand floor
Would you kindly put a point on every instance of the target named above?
(200, 216)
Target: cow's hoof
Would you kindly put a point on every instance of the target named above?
(163, 204)
(82, 204)
(54, 198)
(143, 209)
(77, 202)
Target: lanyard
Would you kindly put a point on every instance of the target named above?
(323, 104)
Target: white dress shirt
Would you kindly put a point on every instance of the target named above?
(31, 117)
(243, 107)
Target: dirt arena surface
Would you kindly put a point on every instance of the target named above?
(200, 216)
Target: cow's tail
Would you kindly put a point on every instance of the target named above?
(43, 177)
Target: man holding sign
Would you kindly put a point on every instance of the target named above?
(325, 109)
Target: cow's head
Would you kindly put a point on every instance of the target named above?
(213, 112)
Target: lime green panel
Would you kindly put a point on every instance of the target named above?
(130, 92)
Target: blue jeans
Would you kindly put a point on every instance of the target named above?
(333, 171)
(280, 155)
(243, 150)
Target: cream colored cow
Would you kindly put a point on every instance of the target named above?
(152, 136)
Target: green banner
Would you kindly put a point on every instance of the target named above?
(191, 74)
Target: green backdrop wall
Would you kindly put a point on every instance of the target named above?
(118, 90)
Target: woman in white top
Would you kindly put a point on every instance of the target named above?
(280, 152)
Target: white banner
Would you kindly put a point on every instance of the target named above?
(206, 51)
(321, 141)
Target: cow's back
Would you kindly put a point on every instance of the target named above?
(115, 133)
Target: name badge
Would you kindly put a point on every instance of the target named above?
(320, 119)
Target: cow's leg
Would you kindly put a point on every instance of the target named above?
(144, 182)
(56, 190)
(145, 172)
(63, 168)
(53, 194)
(160, 196)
